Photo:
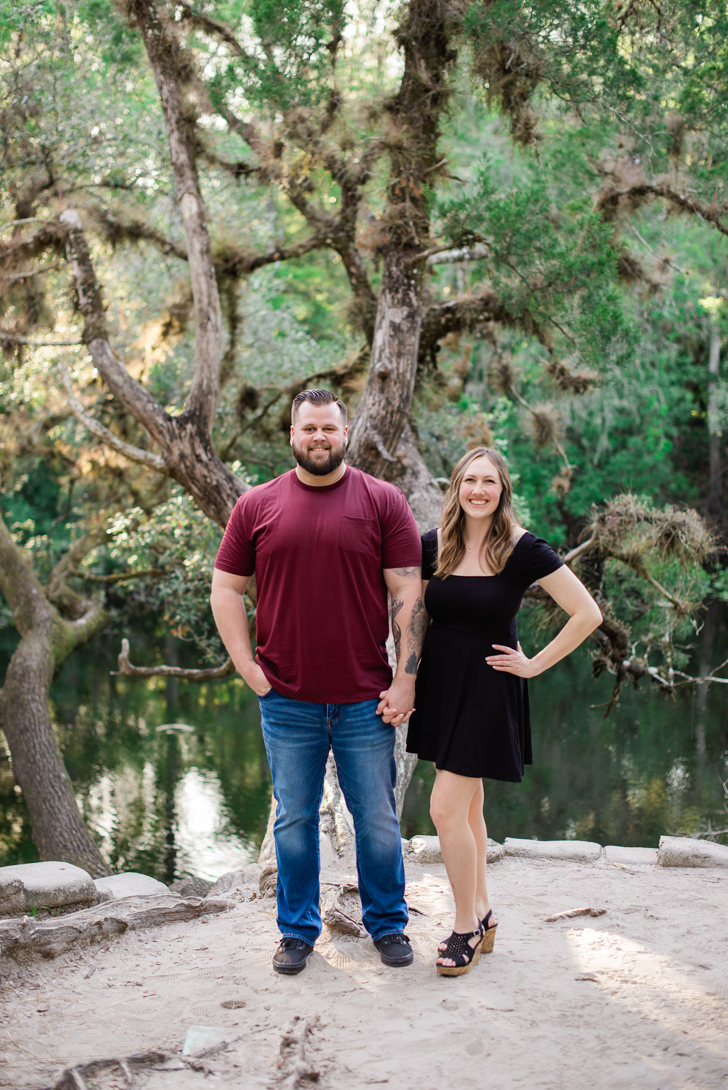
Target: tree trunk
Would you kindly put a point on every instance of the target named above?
(715, 487)
(46, 642)
(387, 399)
(710, 631)
(58, 828)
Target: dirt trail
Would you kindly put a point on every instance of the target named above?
(637, 997)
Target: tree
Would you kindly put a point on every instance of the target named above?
(273, 100)
(53, 622)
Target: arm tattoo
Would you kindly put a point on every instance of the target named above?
(404, 572)
(415, 634)
(397, 604)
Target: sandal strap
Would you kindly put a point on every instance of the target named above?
(458, 947)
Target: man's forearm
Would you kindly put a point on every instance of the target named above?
(231, 618)
(408, 629)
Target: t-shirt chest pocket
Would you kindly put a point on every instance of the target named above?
(357, 535)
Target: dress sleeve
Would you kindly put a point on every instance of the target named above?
(429, 553)
(538, 560)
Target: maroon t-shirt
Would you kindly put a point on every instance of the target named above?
(318, 556)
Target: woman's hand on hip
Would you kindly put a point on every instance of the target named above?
(512, 661)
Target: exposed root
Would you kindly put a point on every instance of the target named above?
(296, 1066)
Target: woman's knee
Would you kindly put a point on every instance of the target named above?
(444, 813)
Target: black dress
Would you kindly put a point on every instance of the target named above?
(471, 719)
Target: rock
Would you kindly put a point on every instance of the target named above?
(232, 879)
(683, 851)
(190, 887)
(496, 851)
(575, 851)
(268, 881)
(27, 887)
(200, 1039)
(630, 856)
(236, 879)
(128, 884)
(426, 849)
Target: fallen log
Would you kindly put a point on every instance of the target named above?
(571, 912)
(27, 939)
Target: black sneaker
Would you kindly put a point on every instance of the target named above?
(290, 957)
(395, 950)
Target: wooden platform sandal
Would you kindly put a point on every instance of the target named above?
(459, 950)
(488, 932)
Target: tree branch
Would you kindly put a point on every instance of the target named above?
(20, 585)
(585, 546)
(238, 263)
(136, 454)
(470, 314)
(7, 337)
(611, 196)
(120, 576)
(171, 70)
(210, 26)
(125, 667)
(117, 230)
(131, 393)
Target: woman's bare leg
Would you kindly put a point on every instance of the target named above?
(477, 825)
(450, 807)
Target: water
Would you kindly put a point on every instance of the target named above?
(195, 801)
(629, 779)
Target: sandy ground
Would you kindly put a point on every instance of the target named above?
(637, 997)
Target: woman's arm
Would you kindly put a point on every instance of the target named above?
(584, 617)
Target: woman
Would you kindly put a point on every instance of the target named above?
(472, 716)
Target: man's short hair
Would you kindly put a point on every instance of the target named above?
(318, 397)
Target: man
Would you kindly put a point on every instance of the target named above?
(326, 542)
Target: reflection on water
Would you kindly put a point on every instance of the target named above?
(207, 844)
(169, 803)
(195, 802)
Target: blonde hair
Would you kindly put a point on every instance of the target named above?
(498, 545)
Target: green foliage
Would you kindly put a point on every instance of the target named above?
(575, 50)
(290, 53)
(178, 545)
(554, 269)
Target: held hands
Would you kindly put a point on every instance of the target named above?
(397, 702)
(511, 661)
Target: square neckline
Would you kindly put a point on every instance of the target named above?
(495, 576)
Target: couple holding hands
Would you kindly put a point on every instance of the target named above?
(327, 544)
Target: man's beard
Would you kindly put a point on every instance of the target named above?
(320, 467)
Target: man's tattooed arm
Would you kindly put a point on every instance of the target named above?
(409, 619)
(397, 604)
(415, 636)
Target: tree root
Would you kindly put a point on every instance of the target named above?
(74, 1078)
(296, 1068)
(27, 939)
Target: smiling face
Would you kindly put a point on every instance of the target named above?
(318, 438)
(480, 489)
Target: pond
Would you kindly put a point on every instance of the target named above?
(193, 798)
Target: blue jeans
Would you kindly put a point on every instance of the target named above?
(298, 737)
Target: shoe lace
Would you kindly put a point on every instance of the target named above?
(289, 942)
(398, 938)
